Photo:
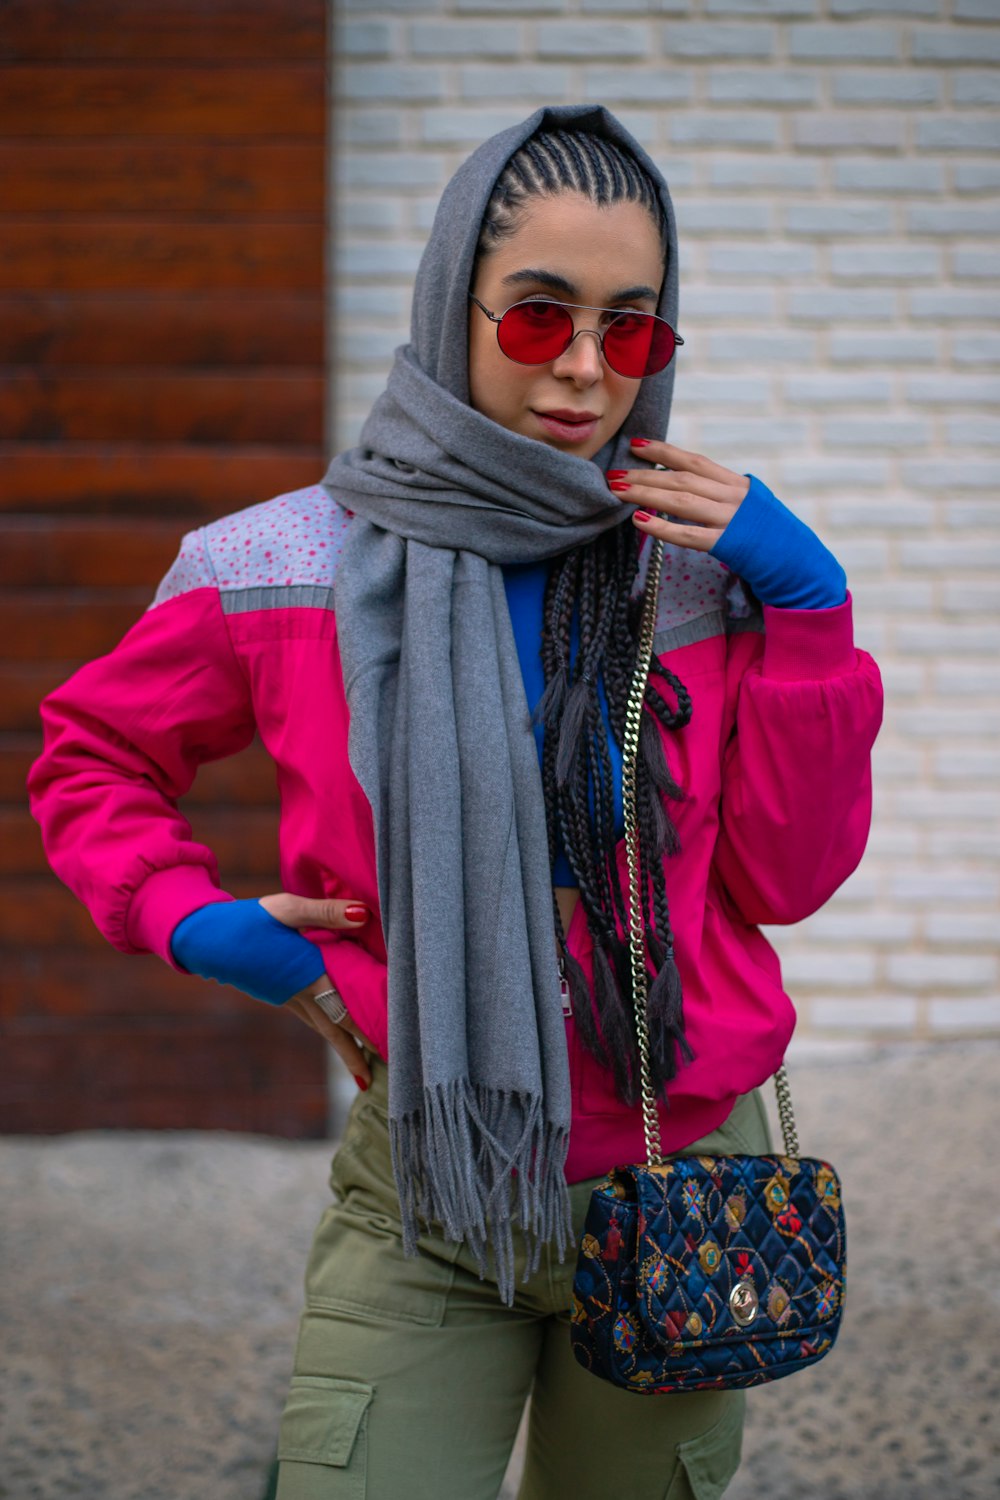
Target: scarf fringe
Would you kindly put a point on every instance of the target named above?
(452, 1167)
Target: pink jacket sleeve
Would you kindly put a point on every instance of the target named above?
(123, 739)
(805, 707)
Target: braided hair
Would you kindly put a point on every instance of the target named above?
(594, 584)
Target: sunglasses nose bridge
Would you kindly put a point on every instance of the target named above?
(568, 348)
(577, 333)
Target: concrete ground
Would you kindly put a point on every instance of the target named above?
(150, 1286)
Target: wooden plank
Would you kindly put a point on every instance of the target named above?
(114, 255)
(134, 478)
(55, 992)
(40, 626)
(100, 329)
(296, 1112)
(17, 752)
(264, 406)
(181, 30)
(119, 1061)
(38, 911)
(22, 687)
(21, 850)
(247, 845)
(163, 212)
(51, 991)
(239, 781)
(43, 552)
(248, 100)
(122, 1064)
(201, 179)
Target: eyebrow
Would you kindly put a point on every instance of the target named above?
(560, 284)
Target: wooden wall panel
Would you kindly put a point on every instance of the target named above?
(173, 31)
(164, 406)
(157, 99)
(226, 177)
(193, 481)
(100, 255)
(161, 363)
(187, 330)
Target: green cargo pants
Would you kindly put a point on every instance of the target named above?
(410, 1375)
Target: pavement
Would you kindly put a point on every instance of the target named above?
(151, 1282)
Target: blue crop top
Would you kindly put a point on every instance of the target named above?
(525, 586)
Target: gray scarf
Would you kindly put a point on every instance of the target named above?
(442, 745)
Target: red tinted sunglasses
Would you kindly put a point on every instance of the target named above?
(633, 343)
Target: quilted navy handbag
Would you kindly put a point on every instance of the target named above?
(703, 1272)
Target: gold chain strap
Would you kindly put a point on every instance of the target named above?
(785, 1112)
(630, 757)
(637, 945)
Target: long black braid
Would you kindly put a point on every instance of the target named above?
(595, 585)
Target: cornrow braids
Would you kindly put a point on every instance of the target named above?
(558, 161)
(590, 592)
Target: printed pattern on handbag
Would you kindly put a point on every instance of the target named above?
(706, 1272)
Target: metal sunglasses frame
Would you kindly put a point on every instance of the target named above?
(620, 312)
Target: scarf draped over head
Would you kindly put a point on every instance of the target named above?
(441, 741)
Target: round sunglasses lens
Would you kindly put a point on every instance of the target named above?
(638, 344)
(533, 332)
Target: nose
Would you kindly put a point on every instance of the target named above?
(582, 359)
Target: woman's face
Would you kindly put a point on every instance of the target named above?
(568, 250)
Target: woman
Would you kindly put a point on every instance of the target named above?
(455, 859)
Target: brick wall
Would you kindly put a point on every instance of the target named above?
(837, 188)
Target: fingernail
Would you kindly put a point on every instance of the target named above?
(616, 473)
(356, 912)
(619, 486)
(642, 515)
(361, 1083)
(640, 442)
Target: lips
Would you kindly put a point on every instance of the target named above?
(564, 415)
(566, 426)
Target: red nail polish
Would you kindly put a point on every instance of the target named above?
(356, 912)
(619, 486)
(361, 1084)
(642, 515)
(616, 473)
(640, 442)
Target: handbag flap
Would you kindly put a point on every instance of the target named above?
(734, 1247)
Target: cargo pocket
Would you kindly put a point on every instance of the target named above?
(356, 1263)
(323, 1427)
(707, 1463)
(356, 1266)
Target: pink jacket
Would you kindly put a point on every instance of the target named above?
(242, 637)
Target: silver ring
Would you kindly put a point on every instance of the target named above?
(331, 1004)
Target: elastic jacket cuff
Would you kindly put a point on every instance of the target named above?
(165, 898)
(807, 645)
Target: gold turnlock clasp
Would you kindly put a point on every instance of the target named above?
(744, 1303)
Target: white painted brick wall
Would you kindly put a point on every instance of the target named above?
(835, 173)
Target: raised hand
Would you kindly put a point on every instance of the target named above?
(694, 502)
(689, 502)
